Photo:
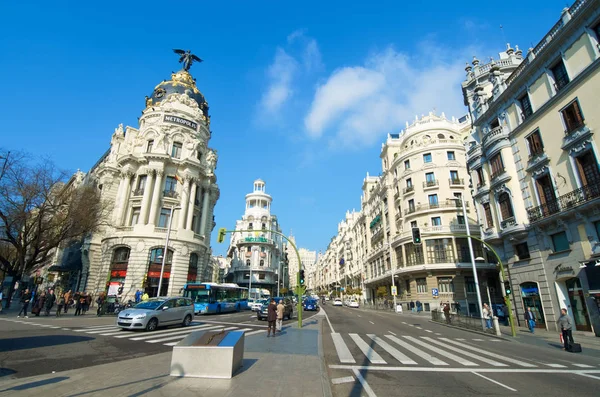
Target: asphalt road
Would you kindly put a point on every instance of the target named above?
(386, 354)
(41, 345)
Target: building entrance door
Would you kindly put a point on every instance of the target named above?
(578, 306)
(531, 298)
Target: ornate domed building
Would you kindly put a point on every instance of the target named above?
(161, 179)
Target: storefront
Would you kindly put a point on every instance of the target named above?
(578, 305)
(154, 270)
(530, 295)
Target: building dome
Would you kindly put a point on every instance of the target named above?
(181, 82)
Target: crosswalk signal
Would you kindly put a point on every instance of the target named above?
(416, 236)
(301, 277)
(221, 236)
(507, 289)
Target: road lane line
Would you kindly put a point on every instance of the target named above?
(95, 328)
(132, 334)
(427, 330)
(403, 322)
(583, 366)
(464, 353)
(478, 340)
(181, 336)
(98, 326)
(494, 381)
(589, 376)
(486, 353)
(345, 379)
(103, 330)
(431, 359)
(384, 368)
(329, 322)
(436, 349)
(461, 339)
(359, 315)
(367, 350)
(392, 333)
(364, 384)
(411, 325)
(173, 332)
(403, 358)
(342, 349)
(437, 333)
(254, 332)
(555, 365)
(54, 327)
(372, 322)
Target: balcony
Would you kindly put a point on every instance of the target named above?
(170, 194)
(508, 222)
(429, 184)
(493, 136)
(408, 189)
(457, 182)
(452, 204)
(495, 174)
(138, 192)
(565, 202)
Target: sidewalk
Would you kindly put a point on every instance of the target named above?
(290, 365)
(545, 338)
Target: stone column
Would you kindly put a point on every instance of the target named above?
(118, 202)
(125, 198)
(185, 195)
(156, 194)
(146, 199)
(205, 199)
(190, 215)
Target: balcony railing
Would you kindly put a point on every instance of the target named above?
(432, 206)
(508, 222)
(170, 193)
(430, 183)
(491, 136)
(457, 181)
(565, 202)
(497, 173)
(408, 189)
(138, 192)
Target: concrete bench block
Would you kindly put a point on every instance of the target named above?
(208, 354)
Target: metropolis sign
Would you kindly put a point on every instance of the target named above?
(180, 121)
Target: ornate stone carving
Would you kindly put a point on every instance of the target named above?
(484, 199)
(580, 147)
(540, 171)
(211, 161)
(502, 189)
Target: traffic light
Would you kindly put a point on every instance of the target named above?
(221, 236)
(507, 289)
(416, 235)
(301, 277)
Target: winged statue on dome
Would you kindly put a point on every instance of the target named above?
(187, 58)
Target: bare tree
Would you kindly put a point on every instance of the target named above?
(41, 209)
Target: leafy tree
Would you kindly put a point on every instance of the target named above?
(381, 291)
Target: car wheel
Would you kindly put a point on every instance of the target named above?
(152, 325)
(187, 320)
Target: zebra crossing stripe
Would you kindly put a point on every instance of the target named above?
(260, 331)
(103, 330)
(98, 327)
(129, 334)
(431, 359)
(342, 349)
(104, 327)
(186, 330)
(403, 358)
(486, 353)
(464, 353)
(583, 366)
(436, 349)
(556, 365)
(367, 350)
(182, 335)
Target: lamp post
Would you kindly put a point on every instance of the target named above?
(164, 256)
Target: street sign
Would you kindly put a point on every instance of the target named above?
(394, 290)
(435, 292)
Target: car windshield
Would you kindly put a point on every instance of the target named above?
(151, 304)
(310, 302)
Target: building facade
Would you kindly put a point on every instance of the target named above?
(533, 158)
(256, 253)
(308, 260)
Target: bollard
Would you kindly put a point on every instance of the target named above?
(497, 326)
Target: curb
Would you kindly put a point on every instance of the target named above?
(325, 381)
(471, 330)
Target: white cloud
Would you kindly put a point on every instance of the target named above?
(357, 105)
(280, 73)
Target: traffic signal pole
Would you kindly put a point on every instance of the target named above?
(299, 288)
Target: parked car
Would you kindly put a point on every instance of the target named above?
(288, 309)
(157, 312)
(311, 304)
(337, 302)
(257, 305)
(353, 303)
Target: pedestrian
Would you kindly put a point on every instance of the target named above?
(530, 319)
(60, 305)
(50, 299)
(100, 302)
(447, 312)
(145, 297)
(38, 304)
(486, 316)
(79, 301)
(457, 306)
(68, 299)
(280, 309)
(25, 298)
(138, 296)
(565, 324)
(271, 317)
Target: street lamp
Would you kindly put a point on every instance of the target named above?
(164, 255)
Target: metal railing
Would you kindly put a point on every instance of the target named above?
(457, 181)
(430, 183)
(565, 202)
(408, 189)
(170, 193)
(458, 320)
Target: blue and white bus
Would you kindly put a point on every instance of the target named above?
(211, 298)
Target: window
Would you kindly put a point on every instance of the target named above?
(199, 155)
(250, 226)
(488, 215)
(427, 158)
(460, 219)
(497, 165)
(411, 206)
(451, 155)
(414, 224)
(163, 220)
(522, 251)
(150, 146)
(587, 167)
(470, 285)
(430, 179)
(261, 276)
(433, 200)
(436, 221)
(597, 225)
(445, 285)
(135, 215)
(264, 226)
(409, 182)
(140, 185)
(176, 150)
(572, 117)
(119, 263)
(248, 264)
(262, 262)
(439, 250)
(494, 124)
(421, 285)
(559, 72)
(534, 141)
(170, 184)
(560, 242)
(480, 178)
(526, 109)
(454, 177)
(596, 30)
(193, 268)
(407, 164)
(505, 206)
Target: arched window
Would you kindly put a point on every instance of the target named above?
(118, 265)
(176, 150)
(150, 146)
(262, 262)
(193, 268)
(506, 209)
(247, 262)
(154, 268)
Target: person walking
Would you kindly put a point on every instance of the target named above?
(79, 300)
(60, 305)
(565, 324)
(39, 304)
(50, 299)
(447, 312)
(68, 297)
(280, 309)
(530, 319)
(271, 317)
(138, 296)
(486, 316)
(25, 298)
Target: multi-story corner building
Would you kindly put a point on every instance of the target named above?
(308, 260)
(534, 161)
(220, 268)
(256, 253)
(164, 169)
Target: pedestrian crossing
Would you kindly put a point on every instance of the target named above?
(378, 350)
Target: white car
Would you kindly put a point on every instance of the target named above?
(257, 305)
(337, 302)
(353, 304)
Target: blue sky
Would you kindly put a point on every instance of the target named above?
(300, 95)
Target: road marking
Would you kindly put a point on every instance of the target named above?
(97, 327)
(358, 316)
(182, 335)
(224, 323)
(403, 322)
(103, 330)
(364, 384)
(411, 325)
(345, 379)
(582, 372)
(461, 339)
(54, 327)
(166, 331)
(478, 340)
(372, 322)
(494, 381)
(392, 333)
(367, 350)
(427, 330)
(431, 359)
(464, 353)
(418, 328)
(260, 331)
(486, 353)
(104, 327)
(555, 365)
(342, 349)
(451, 356)
(403, 358)
(252, 315)
(330, 326)
(437, 333)
(172, 332)
(583, 366)
(589, 376)
(66, 329)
